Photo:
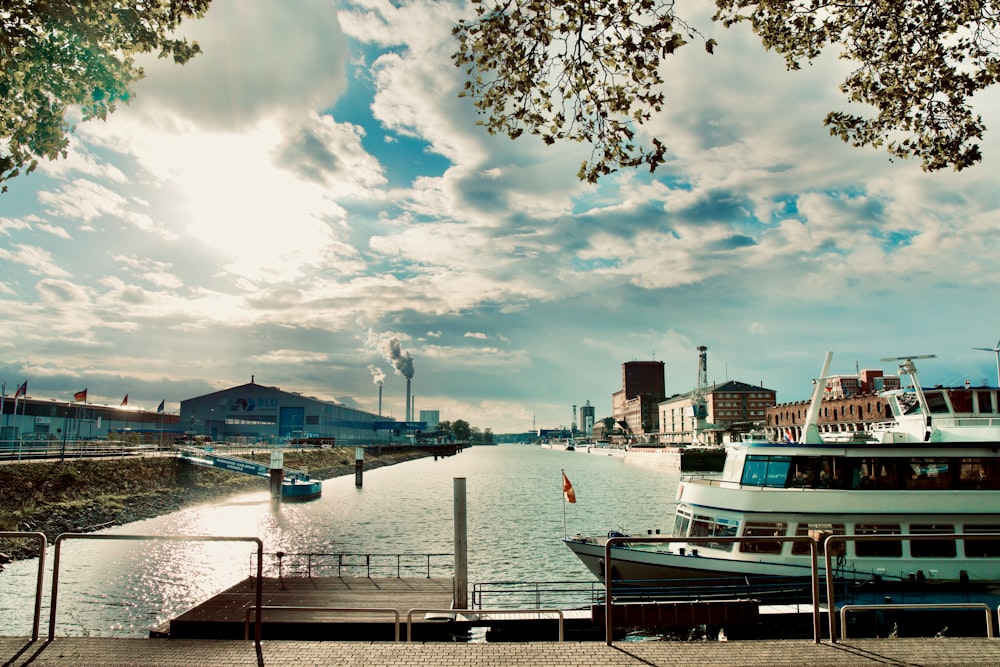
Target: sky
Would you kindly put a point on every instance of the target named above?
(309, 203)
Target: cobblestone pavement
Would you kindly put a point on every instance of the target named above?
(85, 651)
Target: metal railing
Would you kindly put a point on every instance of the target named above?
(930, 606)
(479, 612)
(537, 593)
(325, 564)
(833, 540)
(158, 538)
(43, 545)
(814, 569)
(28, 450)
(350, 610)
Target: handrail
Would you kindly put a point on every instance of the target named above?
(159, 538)
(246, 616)
(950, 605)
(834, 539)
(43, 545)
(813, 549)
(479, 612)
(314, 559)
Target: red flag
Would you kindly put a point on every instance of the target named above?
(568, 491)
(125, 400)
(22, 390)
(80, 396)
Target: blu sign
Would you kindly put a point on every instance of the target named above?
(254, 405)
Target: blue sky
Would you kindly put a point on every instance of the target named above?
(311, 187)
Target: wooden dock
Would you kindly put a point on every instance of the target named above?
(224, 615)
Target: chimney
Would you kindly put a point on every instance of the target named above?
(380, 400)
(407, 399)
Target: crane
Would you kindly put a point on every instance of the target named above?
(699, 403)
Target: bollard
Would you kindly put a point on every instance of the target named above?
(359, 466)
(461, 592)
(277, 474)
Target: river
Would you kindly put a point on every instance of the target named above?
(515, 524)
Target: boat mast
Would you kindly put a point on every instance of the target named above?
(810, 431)
(907, 367)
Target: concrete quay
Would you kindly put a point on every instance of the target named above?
(106, 652)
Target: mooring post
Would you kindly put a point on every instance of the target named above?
(277, 473)
(461, 592)
(359, 466)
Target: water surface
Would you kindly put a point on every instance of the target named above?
(516, 517)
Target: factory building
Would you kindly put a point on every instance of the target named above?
(255, 411)
(31, 419)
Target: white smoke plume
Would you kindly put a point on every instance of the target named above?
(378, 375)
(392, 349)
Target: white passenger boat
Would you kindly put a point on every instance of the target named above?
(934, 471)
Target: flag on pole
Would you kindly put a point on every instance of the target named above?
(159, 408)
(22, 390)
(80, 396)
(125, 400)
(568, 491)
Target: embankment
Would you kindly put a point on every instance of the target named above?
(88, 494)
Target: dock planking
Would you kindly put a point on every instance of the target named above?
(223, 616)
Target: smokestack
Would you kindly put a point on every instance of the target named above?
(407, 399)
(380, 400)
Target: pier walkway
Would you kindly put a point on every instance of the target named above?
(76, 651)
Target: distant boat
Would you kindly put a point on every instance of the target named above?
(935, 469)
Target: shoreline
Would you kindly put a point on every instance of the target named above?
(86, 495)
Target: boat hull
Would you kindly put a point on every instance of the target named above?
(301, 491)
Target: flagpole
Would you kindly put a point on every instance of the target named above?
(561, 481)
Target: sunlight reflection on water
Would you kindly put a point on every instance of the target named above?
(515, 522)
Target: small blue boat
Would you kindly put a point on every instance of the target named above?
(301, 489)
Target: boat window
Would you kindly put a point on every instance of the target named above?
(961, 400)
(706, 526)
(820, 472)
(984, 402)
(755, 470)
(681, 523)
(802, 530)
(980, 474)
(935, 401)
(932, 548)
(927, 473)
(877, 548)
(982, 548)
(909, 404)
(753, 529)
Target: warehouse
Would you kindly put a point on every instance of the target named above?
(255, 411)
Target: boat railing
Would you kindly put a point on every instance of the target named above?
(318, 564)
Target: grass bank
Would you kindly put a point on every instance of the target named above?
(89, 494)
